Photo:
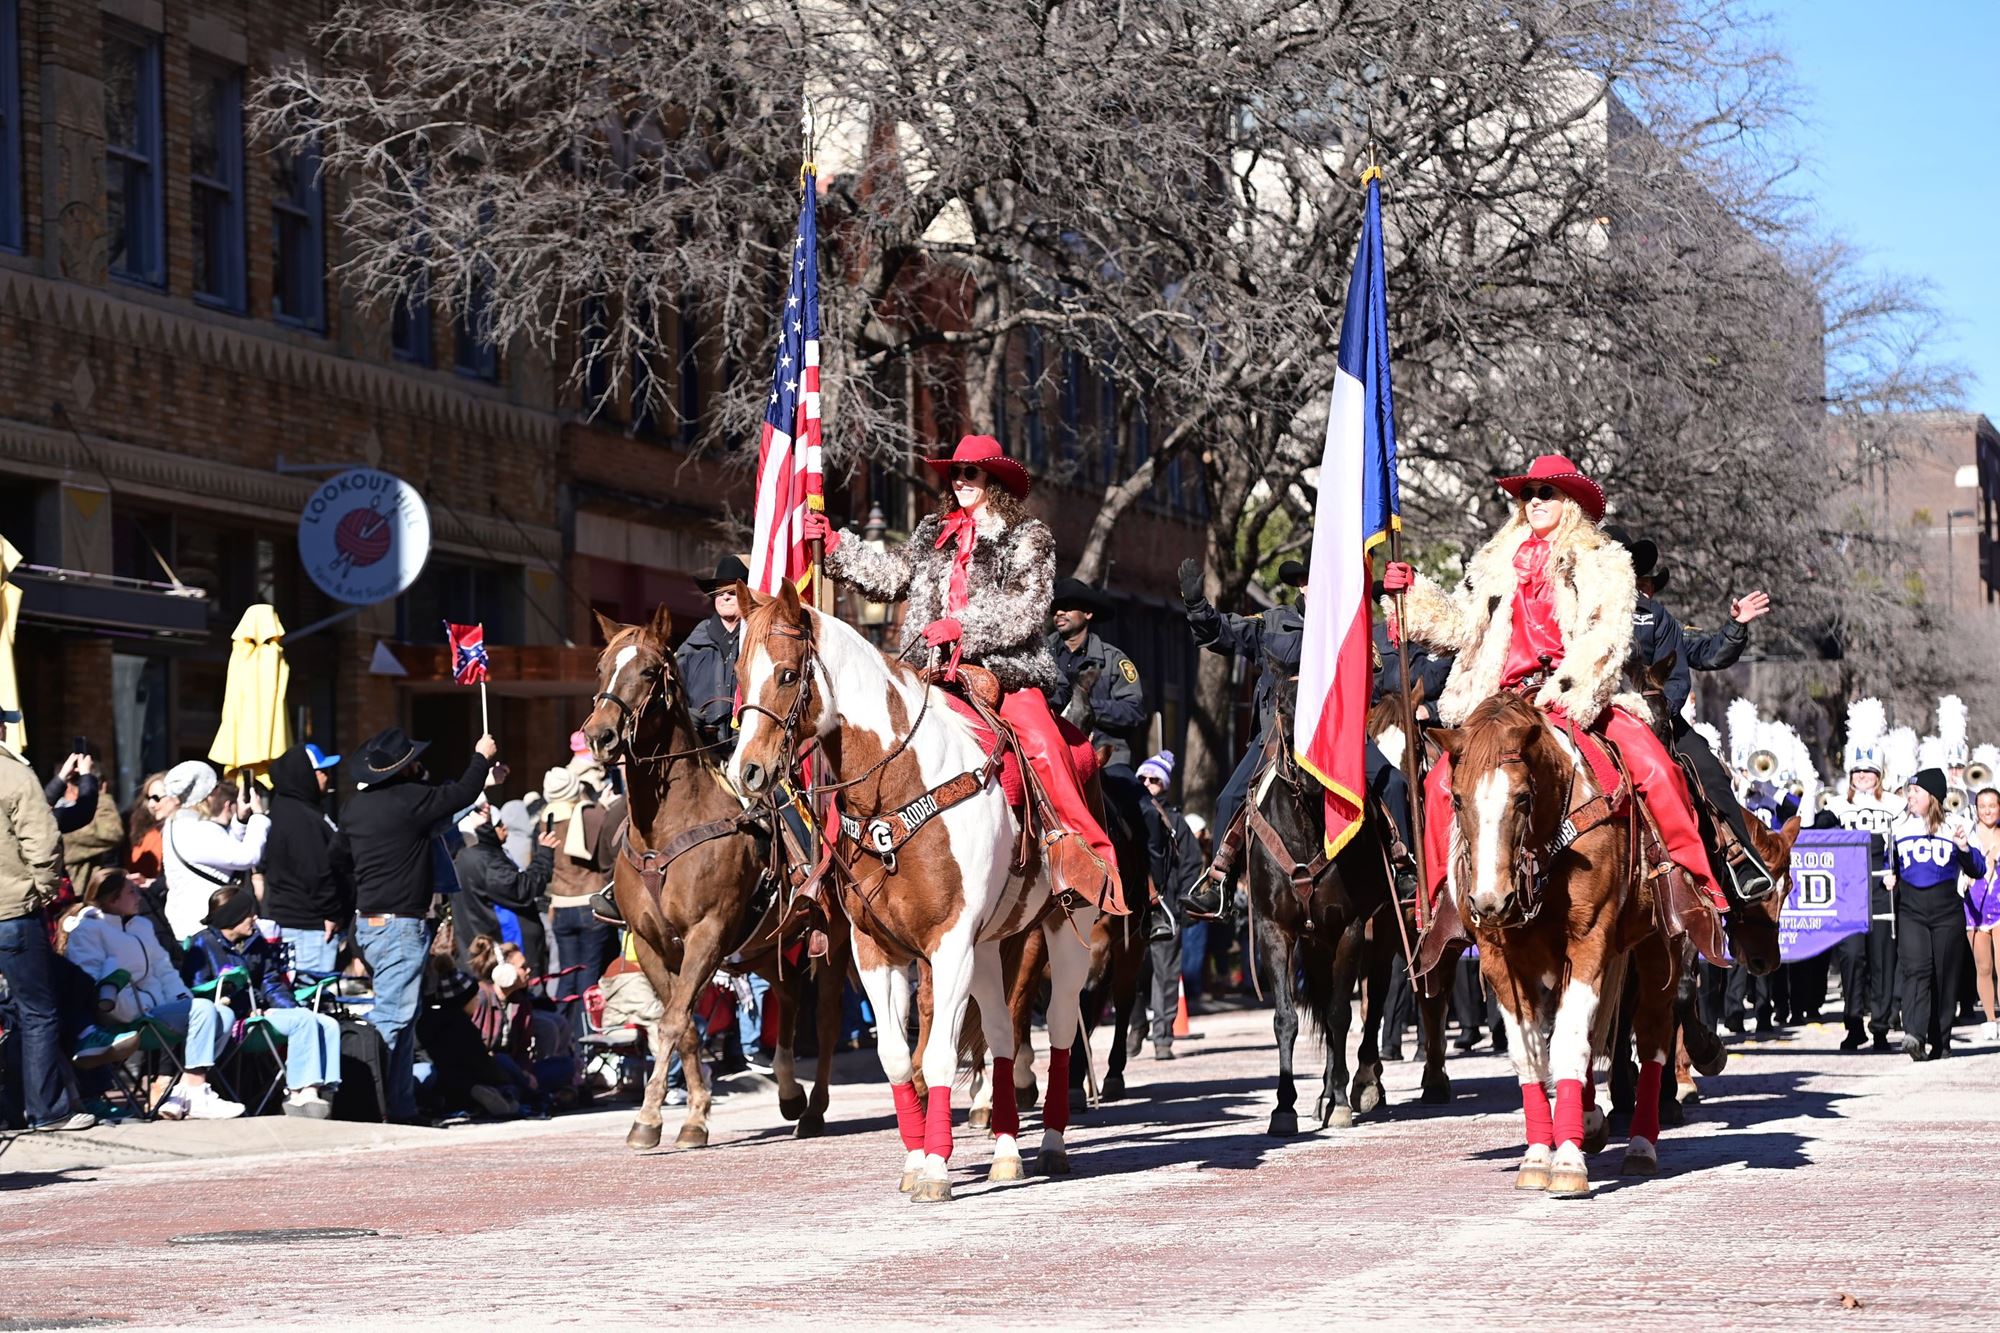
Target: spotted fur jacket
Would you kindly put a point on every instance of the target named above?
(1008, 591)
(1591, 576)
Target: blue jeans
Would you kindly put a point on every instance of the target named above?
(312, 1047)
(312, 951)
(1194, 952)
(30, 968)
(750, 1017)
(202, 1024)
(582, 941)
(395, 952)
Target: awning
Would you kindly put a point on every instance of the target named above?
(107, 604)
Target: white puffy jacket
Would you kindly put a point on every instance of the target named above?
(105, 946)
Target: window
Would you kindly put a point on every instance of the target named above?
(689, 370)
(596, 370)
(10, 125)
(473, 350)
(298, 249)
(215, 180)
(133, 211)
(410, 326)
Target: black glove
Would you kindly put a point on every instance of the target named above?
(1191, 582)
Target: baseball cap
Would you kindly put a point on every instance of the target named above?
(320, 759)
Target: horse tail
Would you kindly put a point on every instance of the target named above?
(1313, 965)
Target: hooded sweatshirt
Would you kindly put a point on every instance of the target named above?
(301, 890)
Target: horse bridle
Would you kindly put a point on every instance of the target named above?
(1531, 869)
(630, 715)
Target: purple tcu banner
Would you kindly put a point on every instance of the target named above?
(1829, 898)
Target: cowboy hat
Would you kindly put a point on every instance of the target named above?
(1562, 474)
(1293, 573)
(1081, 596)
(388, 752)
(984, 452)
(729, 571)
(1645, 556)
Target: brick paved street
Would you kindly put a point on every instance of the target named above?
(1806, 1174)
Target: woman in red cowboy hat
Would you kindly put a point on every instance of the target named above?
(1546, 606)
(979, 577)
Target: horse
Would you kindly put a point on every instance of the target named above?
(691, 861)
(1323, 922)
(933, 879)
(1546, 871)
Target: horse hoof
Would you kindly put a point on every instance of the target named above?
(811, 1125)
(1053, 1162)
(1284, 1122)
(908, 1183)
(1671, 1115)
(1641, 1159)
(1437, 1091)
(1026, 1099)
(1114, 1088)
(641, 1137)
(1366, 1097)
(692, 1136)
(792, 1107)
(1532, 1178)
(1569, 1183)
(1338, 1117)
(931, 1191)
(1596, 1133)
(1005, 1169)
(979, 1117)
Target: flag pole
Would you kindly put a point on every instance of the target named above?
(484, 728)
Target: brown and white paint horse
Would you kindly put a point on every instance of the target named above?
(1555, 925)
(948, 896)
(702, 910)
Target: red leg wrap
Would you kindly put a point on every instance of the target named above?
(1006, 1111)
(937, 1125)
(1055, 1104)
(1569, 1111)
(1646, 1110)
(909, 1115)
(1535, 1107)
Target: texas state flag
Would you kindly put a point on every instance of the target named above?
(1357, 509)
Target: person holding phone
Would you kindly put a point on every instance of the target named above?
(312, 904)
(211, 842)
(498, 899)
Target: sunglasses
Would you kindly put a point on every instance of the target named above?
(1542, 492)
(156, 796)
(966, 472)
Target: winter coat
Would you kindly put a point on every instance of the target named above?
(209, 955)
(70, 818)
(1426, 669)
(95, 844)
(706, 661)
(201, 856)
(1117, 718)
(1274, 640)
(123, 955)
(1173, 853)
(301, 890)
(497, 899)
(1590, 578)
(387, 838)
(1656, 633)
(30, 847)
(1008, 592)
(575, 879)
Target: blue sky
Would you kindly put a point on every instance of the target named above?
(1902, 137)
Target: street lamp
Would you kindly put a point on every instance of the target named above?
(1951, 561)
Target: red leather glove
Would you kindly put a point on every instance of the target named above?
(941, 632)
(818, 529)
(1397, 577)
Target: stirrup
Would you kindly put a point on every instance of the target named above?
(1752, 879)
(1196, 899)
(604, 906)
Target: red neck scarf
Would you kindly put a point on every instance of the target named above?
(961, 527)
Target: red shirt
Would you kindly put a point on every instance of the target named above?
(1536, 634)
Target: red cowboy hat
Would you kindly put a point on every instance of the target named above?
(984, 452)
(1562, 474)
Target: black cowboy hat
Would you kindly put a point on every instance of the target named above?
(729, 571)
(1293, 573)
(1078, 595)
(388, 752)
(1645, 556)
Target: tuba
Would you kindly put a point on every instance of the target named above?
(1763, 765)
(1978, 775)
(1955, 800)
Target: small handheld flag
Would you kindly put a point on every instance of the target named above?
(468, 661)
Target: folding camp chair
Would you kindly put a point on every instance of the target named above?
(111, 1048)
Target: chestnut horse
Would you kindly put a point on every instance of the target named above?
(700, 910)
(932, 878)
(1545, 874)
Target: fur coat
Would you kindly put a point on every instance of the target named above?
(1590, 576)
(1008, 592)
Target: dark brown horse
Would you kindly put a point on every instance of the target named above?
(688, 880)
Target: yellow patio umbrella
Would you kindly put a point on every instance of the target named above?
(253, 730)
(13, 727)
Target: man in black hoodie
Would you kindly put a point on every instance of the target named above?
(498, 898)
(311, 904)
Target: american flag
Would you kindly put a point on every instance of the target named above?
(468, 652)
(789, 472)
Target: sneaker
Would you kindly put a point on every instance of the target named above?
(1989, 1031)
(1914, 1049)
(1164, 1050)
(308, 1104)
(675, 1097)
(79, 1120)
(760, 1064)
(98, 1048)
(205, 1103)
(174, 1107)
(492, 1101)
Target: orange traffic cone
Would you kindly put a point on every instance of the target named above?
(1180, 1012)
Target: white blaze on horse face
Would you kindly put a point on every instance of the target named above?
(750, 722)
(624, 659)
(1490, 799)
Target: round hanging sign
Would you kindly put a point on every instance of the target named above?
(364, 536)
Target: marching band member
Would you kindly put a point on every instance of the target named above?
(1868, 962)
(1930, 853)
(1982, 907)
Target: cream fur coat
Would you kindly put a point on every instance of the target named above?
(1591, 578)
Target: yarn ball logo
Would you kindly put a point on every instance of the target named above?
(364, 536)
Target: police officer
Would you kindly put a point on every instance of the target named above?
(1656, 634)
(706, 659)
(1868, 962)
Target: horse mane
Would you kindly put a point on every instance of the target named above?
(1494, 729)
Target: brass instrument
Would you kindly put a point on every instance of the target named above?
(1978, 775)
(1763, 764)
